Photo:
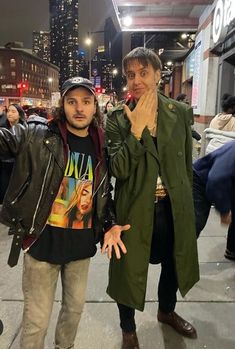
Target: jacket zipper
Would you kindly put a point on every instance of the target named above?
(20, 193)
(100, 185)
(101, 180)
(40, 196)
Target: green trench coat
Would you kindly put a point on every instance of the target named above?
(135, 165)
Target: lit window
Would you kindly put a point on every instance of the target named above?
(12, 62)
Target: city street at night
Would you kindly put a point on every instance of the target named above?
(117, 127)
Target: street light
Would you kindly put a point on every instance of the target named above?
(127, 21)
(115, 71)
(88, 42)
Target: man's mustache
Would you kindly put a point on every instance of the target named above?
(77, 115)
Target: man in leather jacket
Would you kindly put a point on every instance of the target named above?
(52, 160)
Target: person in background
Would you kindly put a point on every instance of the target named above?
(214, 183)
(225, 121)
(3, 115)
(150, 148)
(108, 107)
(42, 112)
(182, 97)
(63, 152)
(222, 130)
(222, 126)
(15, 115)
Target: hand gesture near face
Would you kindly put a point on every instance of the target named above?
(144, 113)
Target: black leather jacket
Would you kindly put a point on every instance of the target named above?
(40, 152)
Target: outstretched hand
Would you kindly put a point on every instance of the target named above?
(112, 240)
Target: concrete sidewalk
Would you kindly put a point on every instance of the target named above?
(210, 305)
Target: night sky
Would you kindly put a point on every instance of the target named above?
(19, 18)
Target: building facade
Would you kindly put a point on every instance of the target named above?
(42, 45)
(26, 78)
(214, 65)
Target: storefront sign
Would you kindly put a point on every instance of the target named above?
(224, 14)
(197, 75)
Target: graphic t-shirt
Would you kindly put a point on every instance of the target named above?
(68, 235)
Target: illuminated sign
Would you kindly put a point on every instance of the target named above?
(224, 14)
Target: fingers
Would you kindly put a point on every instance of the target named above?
(125, 227)
(127, 111)
(122, 247)
(117, 252)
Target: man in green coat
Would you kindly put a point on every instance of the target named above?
(149, 143)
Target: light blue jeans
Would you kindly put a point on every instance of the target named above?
(39, 286)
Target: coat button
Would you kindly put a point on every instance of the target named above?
(47, 142)
(170, 106)
(179, 153)
(19, 230)
(13, 219)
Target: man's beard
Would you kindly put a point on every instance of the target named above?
(75, 126)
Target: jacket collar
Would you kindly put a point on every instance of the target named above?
(96, 133)
(167, 118)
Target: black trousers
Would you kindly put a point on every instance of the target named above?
(161, 252)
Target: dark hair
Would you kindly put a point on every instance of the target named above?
(59, 114)
(37, 110)
(105, 108)
(20, 111)
(228, 102)
(181, 97)
(144, 56)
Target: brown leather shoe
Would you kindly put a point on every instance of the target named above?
(130, 340)
(180, 325)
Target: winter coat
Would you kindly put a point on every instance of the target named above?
(40, 150)
(216, 172)
(223, 122)
(216, 138)
(135, 164)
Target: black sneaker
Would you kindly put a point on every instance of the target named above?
(229, 255)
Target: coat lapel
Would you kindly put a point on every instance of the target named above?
(167, 119)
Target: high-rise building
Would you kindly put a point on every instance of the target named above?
(41, 45)
(113, 52)
(64, 37)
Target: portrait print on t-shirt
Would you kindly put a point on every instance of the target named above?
(72, 207)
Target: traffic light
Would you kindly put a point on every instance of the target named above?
(24, 85)
(98, 90)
